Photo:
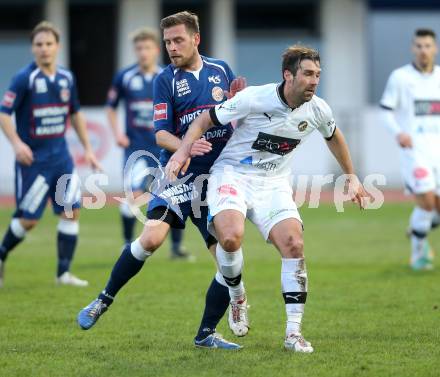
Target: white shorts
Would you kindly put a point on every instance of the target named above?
(420, 172)
(265, 201)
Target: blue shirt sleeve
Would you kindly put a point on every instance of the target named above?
(163, 104)
(115, 92)
(229, 73)
(74, 101)
(15, 94)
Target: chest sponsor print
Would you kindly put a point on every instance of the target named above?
(274, 144)
(427, 107)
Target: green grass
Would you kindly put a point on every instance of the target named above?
(367, 313)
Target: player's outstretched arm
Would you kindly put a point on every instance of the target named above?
(339, 148)
(179, 161)
(237, 85)
(79, 124)
(23, 152)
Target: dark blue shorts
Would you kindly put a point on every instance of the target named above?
(174, 203)
(35, 184)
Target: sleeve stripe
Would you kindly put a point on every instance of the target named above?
(213, 116)
(385, 107)
(333, 134)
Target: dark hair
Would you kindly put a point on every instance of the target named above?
(47, 27)
(424, 33)
(294, 55)
(190, 20)
(145, 34)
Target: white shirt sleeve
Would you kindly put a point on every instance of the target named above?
(326, 122)
(237, 107)
(391, 95)
(390, 101)
(389, 121)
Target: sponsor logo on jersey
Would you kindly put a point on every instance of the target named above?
(227, 190)
(427, 107)
(268, 116)
(49, 120)
(217, 93)
(215, 134)
(182, 87)
(180, 193)
(160, 111)
(267, 165)
(302, 126)
(136, 83)
(214, 79)
(274, 144)
(41, 85)
(276, 212)
(65, 95)
(8, 99)
(188, 118)
(63, 83)
(331, 124)
(228, 106)
(141, 114)
(420, 173)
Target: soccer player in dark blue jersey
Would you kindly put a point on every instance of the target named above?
(134, 85)
(191, 84)
(43, 96)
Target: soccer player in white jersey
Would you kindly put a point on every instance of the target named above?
(411, 111)
(250, 177)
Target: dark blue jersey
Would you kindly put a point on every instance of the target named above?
(42, 106)
(136, 90)
(179, 96)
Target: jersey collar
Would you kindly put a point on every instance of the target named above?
(282, 98)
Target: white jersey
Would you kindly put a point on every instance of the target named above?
(415, 98)
(268, 130)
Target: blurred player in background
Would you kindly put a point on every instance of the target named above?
(411, 111)
(188, 86)
(43, 96)
(134, 85)
(250, 178)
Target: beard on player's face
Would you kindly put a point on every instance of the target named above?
(185, 59)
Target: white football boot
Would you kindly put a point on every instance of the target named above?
(69, 279)
(238, 319)
(297, 343)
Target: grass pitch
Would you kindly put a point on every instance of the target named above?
(367, 313)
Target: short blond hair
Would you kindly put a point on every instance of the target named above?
(144, 34)
(46, 27)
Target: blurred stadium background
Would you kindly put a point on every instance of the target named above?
(367, 315)
(360, 41)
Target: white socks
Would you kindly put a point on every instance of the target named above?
(125, 209)
(294, 288)
(17, 229)
(230, 265)
(420, 222)
(68, 227)
(138, 251)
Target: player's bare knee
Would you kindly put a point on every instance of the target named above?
(150, 242)
(231, 241)
(73, 216)
(294, 247)
(28, 224)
